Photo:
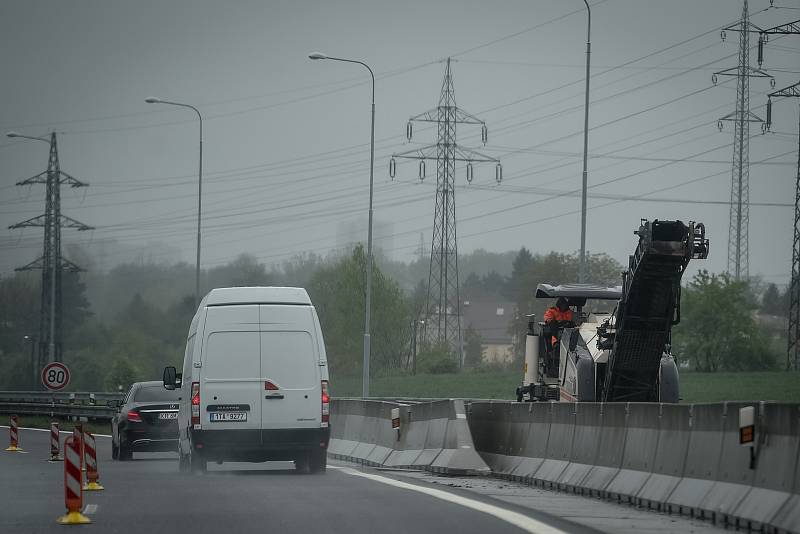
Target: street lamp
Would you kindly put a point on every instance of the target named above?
(51, 347)
(365, 379)
(155, 100)
(582, 269)
(34, 370)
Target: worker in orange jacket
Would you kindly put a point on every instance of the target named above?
(558, 313)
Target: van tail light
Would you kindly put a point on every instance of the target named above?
(326, 404)
(195, 403)
(134, 417)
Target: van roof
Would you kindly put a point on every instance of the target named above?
(256, 295)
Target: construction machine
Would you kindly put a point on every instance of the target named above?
(623, 355)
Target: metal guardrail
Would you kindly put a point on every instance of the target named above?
(100, 405)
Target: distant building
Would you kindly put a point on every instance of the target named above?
(491, 316)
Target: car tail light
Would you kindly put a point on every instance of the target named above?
(134, 417)
(195, 403)
(326, 404)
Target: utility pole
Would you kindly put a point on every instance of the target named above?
(443, 311)
(739, 215)
(51, 262)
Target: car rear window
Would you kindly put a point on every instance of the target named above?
(156, 393)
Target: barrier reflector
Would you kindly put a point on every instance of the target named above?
(55, 445)
(73, 487)
(13, 430)
(90, 459)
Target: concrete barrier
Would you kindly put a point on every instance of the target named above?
(674, 458)
(433, 436)
(607, 462)
(670, 456)
(559, 444)
(773, 501)
(642, 425)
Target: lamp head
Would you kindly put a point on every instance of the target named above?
(152, 100)
(317, 55)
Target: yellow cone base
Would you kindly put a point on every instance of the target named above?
(93, 486)
(73, 518)
(14, 448)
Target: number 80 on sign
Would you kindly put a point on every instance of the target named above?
(55, 376)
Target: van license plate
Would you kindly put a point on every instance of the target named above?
(227, 416)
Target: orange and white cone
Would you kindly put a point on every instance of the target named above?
(77, 432)
(90, 448)
(73, 487)
(55, 453)
(14, 434)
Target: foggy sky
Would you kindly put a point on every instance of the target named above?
(286, 139)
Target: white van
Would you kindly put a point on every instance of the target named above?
(254, 382)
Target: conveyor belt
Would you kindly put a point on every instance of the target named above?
(650, 306)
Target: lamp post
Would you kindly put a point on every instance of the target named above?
(154, 100)
(582, 269)
(34, 370)
(365, 379)
(51, 346)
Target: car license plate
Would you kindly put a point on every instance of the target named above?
(227, 416)
(168, 415)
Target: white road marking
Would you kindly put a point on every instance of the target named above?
(60, 431)
(524, 522)
(90, 509)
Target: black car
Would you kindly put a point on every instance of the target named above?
(147, 421)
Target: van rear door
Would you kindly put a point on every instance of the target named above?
(291, 390)
(230, 389)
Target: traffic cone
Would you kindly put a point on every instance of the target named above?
(90, 449)
(73, 488)
(14, 433)
(55, 455)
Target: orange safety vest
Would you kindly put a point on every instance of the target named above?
(554, 314)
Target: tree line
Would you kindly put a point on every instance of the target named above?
(126, 324)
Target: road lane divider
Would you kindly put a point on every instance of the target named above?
(73, 483)
(90, 460)
(521, 521)
(14, 435)
(55, 445)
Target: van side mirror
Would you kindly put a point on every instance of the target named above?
(170, 377)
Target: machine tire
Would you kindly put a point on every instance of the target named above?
(668, 381)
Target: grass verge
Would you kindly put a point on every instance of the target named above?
(695, 387)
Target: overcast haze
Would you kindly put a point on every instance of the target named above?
(286, 148)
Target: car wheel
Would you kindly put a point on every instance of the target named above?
(197, 462)
(302, 464)
(317, 461)
(124, 453)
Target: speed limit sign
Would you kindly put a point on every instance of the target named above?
(55, 376)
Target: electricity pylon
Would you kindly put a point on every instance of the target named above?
(739, 215)
(51, 262)
(443, 308)
(793, 345)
